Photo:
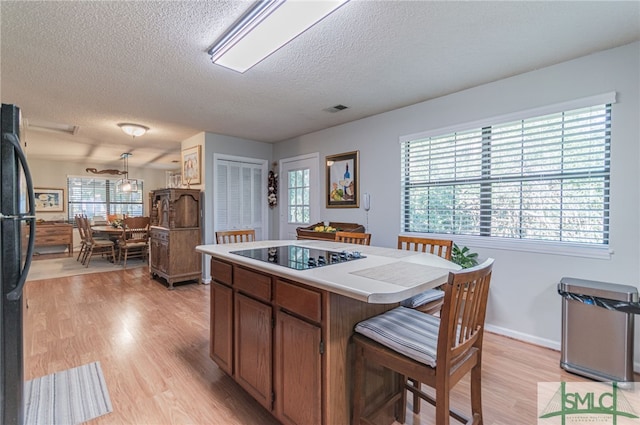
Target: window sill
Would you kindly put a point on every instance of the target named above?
(602, 252)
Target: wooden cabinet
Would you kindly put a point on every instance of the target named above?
(175, 208)
(253, 348)
(311, 353)
(175, 232)
(221, 342)
(298, 370)
(286, 369)
(52, 234)
(298, 354)
(221, 349)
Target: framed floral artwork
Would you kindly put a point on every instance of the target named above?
(49, 200)
(191, 166)
(343, 180)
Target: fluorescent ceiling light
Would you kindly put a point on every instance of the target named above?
(267, 26)
(52, 127)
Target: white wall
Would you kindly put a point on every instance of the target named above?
(523, 301)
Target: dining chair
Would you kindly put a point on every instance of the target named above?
(437, 351)
(134, 240)
(431, 300)
(440, 247)
(354, 237)
(96, 246)
(81, 232)
(235, 236)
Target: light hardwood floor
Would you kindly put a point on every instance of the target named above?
(153, 346)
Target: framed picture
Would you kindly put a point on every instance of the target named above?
(343, 180)
(49, 200)
(191, 166)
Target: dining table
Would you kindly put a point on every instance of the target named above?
(110, 231)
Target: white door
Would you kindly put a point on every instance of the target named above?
(299, 193)
(240, 196)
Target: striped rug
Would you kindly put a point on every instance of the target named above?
(68, 397)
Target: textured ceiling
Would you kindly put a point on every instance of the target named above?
(97, 63)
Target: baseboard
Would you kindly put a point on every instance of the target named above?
(542, 342)
(520, 336)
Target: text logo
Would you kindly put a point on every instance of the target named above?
(588, 403)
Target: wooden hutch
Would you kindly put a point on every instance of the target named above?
(175, 232)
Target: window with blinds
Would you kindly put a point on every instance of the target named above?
(541, 178)
(98, 197)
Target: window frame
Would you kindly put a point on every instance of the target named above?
(300, 191)
(601, 251)
(108, 203)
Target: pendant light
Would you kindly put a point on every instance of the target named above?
(126, 184)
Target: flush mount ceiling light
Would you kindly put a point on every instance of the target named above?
(135, 130)
(267, 26)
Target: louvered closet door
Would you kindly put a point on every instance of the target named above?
(240, 196)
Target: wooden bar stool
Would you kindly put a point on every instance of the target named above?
(354, 237)
(235, 236)
(437, 351)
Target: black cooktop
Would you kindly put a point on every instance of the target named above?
(299, 257)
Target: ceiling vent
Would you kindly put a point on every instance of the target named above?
(52, 127)
(336, 108)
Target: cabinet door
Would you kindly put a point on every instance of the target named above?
(298, 371)
(154, 253)
(221, 349)
(253, 348)
(159, 255)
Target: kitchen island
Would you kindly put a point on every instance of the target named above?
(283, 333)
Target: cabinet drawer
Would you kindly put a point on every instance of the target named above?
(52, 240)
(221, 271)
(252, 283)
(51, 231)
(160, 234)
(301, 301)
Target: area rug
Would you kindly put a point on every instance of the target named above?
(68, 397)
(68, 266)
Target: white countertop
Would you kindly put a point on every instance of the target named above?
(386, 275)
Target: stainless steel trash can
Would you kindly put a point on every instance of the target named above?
(597, 342)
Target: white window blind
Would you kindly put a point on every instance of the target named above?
(540, 178)
(98, 197)
(240, 196)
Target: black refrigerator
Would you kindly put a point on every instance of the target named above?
(16, 216)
